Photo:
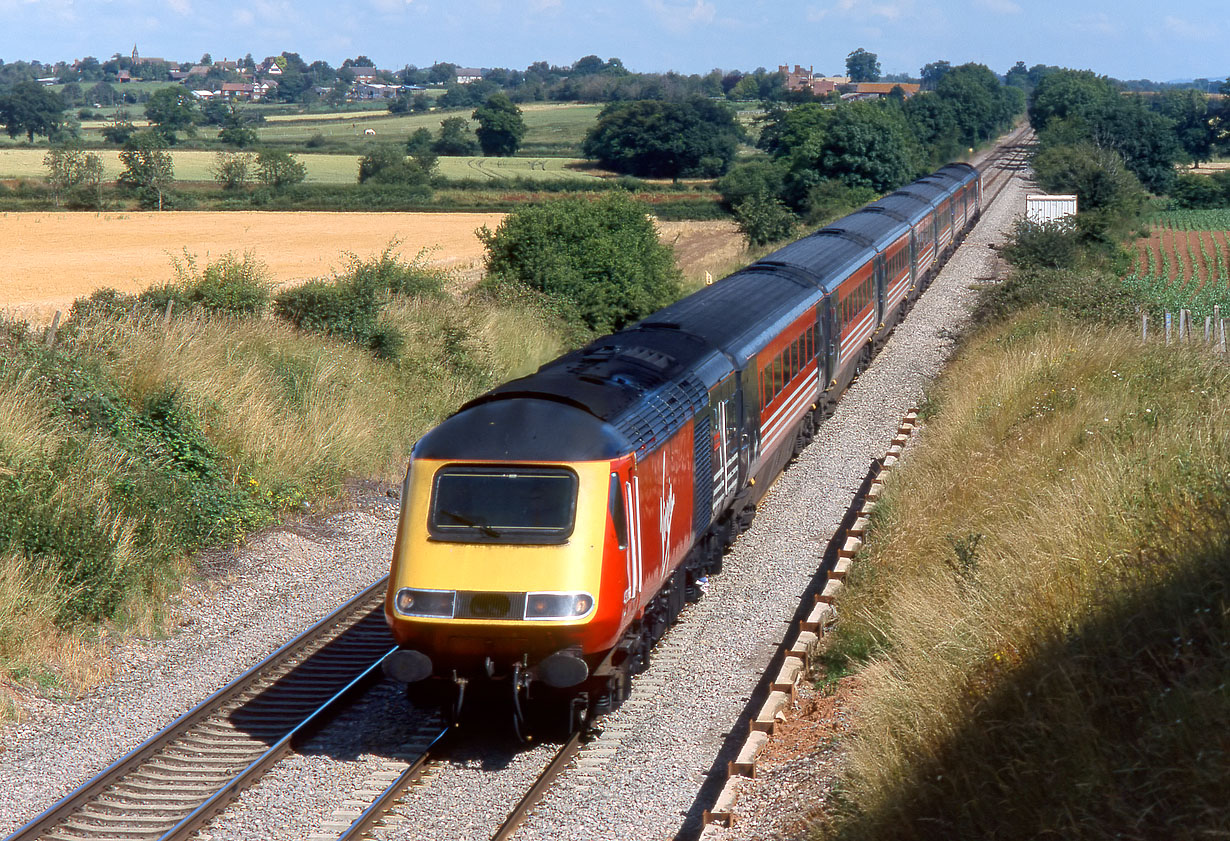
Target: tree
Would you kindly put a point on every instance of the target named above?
(147, 167)
(69, 167)
(278, 169)
(763, 218)
(862, 66)
(603, 257)
(387, 164)
(865, 144)
(1067, 92)
(172, 109)
(455, 138)
(236, 131)
(1189, 111)
(30, 109)
(119, 128)
(932, 73)
(232, 170)
(500, 127)
(101, 94)
(420, 147)
(695, 138)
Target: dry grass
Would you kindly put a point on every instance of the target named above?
(1057, 534)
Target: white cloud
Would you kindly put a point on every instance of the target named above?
(682, 17)
(1096, 24)
(1003, 7)
(892, 10)
(182, 7)
(544, 5)
(1204, 31)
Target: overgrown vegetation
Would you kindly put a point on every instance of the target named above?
(1041, 613)
(136, 438)
(1064, 675)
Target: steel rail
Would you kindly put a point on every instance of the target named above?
(566, 752)
(190, 734)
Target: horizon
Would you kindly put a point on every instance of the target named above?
(1126, 42)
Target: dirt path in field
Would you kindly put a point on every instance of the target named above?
(50, 259)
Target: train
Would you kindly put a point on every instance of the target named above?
(552, 528)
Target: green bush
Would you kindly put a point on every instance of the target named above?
(347, 305)
(340, 308)
(603, 256)
(228, 285)
(764, 219)
(1052, 245)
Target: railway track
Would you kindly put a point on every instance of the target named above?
(1004, 163)
(169, 786)
(174, 783)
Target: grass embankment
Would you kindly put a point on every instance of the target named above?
(132, 442)
(1043, 605)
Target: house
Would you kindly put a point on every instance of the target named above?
(237, 90)
(466, 75)
(375, 90)
(807, 80)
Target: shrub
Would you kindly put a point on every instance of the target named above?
(764, 219)
(603, 256)
(227, 285)
(339, 308)
(1052, 245)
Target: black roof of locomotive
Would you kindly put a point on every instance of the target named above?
(642, 384)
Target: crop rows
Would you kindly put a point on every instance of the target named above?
(1184, 262)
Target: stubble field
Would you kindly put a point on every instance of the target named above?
(50, 259)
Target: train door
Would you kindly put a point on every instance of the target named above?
(881, 290)
(625, 505)
(913, 257)
(724, 424)
(747, 399)
(830, 338)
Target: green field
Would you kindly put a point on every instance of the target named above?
(547, 125)
(551, 128)
(193, 165)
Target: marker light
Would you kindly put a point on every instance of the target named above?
(558, 605)
(435, 604)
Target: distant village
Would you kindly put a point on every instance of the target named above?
(251, 81)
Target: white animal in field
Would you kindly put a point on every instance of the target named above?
(369, 132)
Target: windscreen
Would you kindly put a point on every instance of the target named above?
(503, 504)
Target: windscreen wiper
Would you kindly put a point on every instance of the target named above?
(466, 521)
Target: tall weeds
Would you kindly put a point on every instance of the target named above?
(137, 439)
(1044, 601)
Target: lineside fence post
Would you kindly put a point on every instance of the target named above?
(1144, 327)
(1169, 321)
(51, 331)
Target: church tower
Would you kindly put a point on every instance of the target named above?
(136, 59)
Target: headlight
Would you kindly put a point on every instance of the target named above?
(558, 605)
(436, 604)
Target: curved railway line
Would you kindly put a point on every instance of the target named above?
(174, 783)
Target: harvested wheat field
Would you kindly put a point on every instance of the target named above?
(50, 259)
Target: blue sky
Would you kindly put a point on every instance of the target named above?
(1125, 39)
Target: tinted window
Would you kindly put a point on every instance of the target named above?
(503, 504)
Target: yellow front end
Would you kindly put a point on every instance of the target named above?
(574, 565)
